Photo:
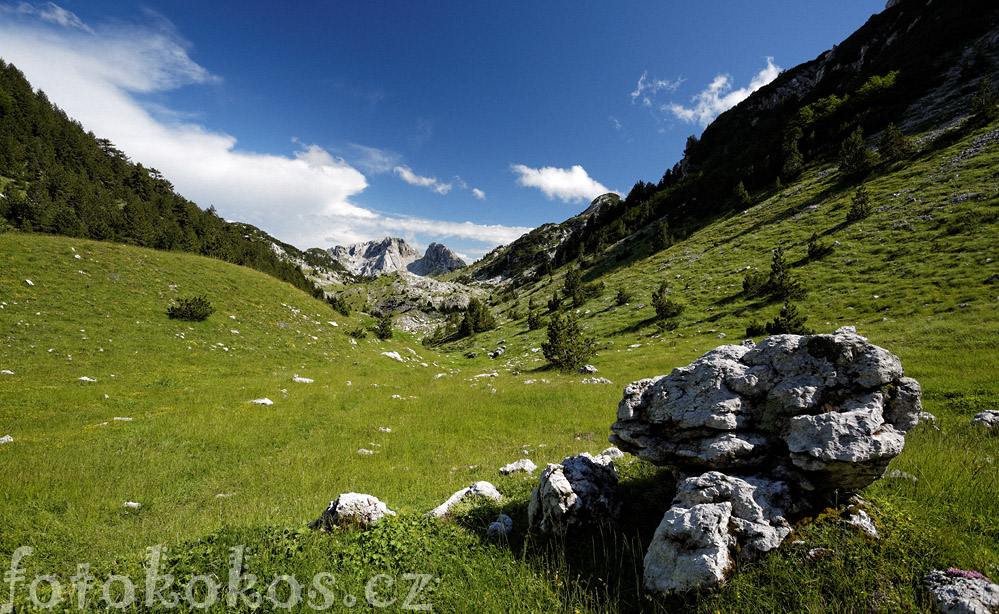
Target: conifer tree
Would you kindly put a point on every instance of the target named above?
(567, 348)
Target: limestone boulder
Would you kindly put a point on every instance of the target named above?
(956, 591)
(476, 491)
(351, 509)
(580, 490)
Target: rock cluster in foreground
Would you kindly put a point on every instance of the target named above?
(766, 433)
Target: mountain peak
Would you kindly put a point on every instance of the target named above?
(390, 254)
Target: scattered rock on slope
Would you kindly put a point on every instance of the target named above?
(351, 509)
(956, 591)
(477, 490)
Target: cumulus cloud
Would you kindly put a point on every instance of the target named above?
(97, 74)
(569, 185)
(646, 89)
(479, 193)
(719, 96)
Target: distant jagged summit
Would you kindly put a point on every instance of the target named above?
(390, 254)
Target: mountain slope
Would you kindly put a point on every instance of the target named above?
(390, 254)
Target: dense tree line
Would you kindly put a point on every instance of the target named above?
(57, 178)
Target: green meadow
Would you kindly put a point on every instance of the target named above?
(169, 423)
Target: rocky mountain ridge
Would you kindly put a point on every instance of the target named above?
(373, 258)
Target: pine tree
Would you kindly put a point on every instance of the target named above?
(661, 239)
(788, 321)
(383, 330)
(567, 348)
(741, 196)
(893, 146)
(781, 284)
(861, 205)
(984, 104)
(855, 160)
(665, 308)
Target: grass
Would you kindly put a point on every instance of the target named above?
(213, 471)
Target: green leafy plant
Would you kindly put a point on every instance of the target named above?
(193, 309)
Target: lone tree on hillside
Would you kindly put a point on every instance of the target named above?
(860, 206)
(893, 146)
(665, 308)
(855, 160)
(383, 330)
(984, 104)
(567, 348)
(781, 284)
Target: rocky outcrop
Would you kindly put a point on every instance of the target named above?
(956, 591)
(768, 432)
(823, 411)
(579, 491)
(392, 254)
(437, 260)
(375, 257)
(351, 509)
(523, 464)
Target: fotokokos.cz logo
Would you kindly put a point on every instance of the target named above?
(284, 592)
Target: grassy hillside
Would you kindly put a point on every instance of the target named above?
(212, 470)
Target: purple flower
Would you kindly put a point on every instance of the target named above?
(971, 575)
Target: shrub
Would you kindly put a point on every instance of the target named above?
(665, 308)
(567, 349)
(357, 333)
(338, 304)
(661, 238)
(383, 330)
(893, 145)
(534, 320)
(754, 282)
(788, 321)
(756, 329)
(818, 249)
(861, 205)
(984, 104)
(623, 297)
(194, 309)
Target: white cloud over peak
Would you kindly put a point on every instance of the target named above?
(719, 96)
(569, 185)
(96, 74)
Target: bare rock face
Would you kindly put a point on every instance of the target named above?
(437, 260)
(827, 411)
(579, 491)
(769, 432)
(351, 509)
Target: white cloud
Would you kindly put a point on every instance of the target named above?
(647, 89)
(373, 160)
(720, 97)
(96, 72)
(412, 178)
(566, 184)
(479, 193)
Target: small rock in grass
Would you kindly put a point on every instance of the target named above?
(587, 370)
(364, 451)
(29, 282)
(6, 439)
(477, 490)
(132, 505)
(597, 380)
(988, 418)
(86, 379)
(122, 419)
(901, 475)
(612, 452)
(384, 429)
(500, 528)
(394, 356)
(301, 380)
(263, 401)
(523, 464)
(7, 372)
(351, 509)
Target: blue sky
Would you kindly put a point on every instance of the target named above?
(466, 123)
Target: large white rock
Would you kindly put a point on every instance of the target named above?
(961, 592)
(832, 409)
(579, 491)
(351, 509)
(477, 490)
